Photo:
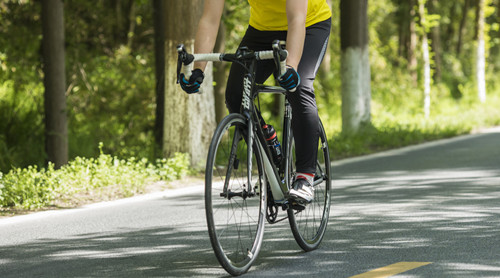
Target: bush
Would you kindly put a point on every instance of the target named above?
(21, 125)
(397, 129)
(33, 188)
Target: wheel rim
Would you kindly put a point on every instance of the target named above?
(309, 225)
(235, 219)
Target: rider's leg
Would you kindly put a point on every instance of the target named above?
(255, 40)
(305, 119)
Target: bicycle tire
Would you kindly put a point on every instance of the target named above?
(309, 225)
(235, 225)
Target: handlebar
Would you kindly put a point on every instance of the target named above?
(278, 54)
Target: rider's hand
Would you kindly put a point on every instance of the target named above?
(192, 85)
(289, 80)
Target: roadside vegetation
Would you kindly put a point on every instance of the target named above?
(85, 180)
(405, 125)
(108, 177)
(111, 96)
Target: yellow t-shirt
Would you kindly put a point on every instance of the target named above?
(270, 15)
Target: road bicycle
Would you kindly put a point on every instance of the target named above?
(244, 187)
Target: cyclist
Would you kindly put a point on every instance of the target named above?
(305, 26)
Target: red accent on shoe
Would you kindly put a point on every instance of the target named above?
(304, 175)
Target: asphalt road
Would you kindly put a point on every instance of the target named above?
(434, 209)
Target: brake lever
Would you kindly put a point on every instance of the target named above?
(280, 54)
(181, 56)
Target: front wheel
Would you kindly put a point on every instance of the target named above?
(235, 196)
(309, 225)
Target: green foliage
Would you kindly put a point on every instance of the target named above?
(21, 125)
(33, 187)
(235, 18)
(111, 99)
(28, 187)
(110, 76)
(402, 128)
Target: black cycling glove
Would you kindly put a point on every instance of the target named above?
(290, 79)
(192, 85)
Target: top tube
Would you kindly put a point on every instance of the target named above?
(271, 89)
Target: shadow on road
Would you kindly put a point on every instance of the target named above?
(173, 250)
(439, 205)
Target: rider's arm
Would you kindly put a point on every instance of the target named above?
(296, 11)
(207, 29)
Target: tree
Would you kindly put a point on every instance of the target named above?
(407, 47)
(436, 42)
(412, 49)
(220, 76)
(461, 28)
(325, 72)
(56, 127)
(425, 57)
(407, 36)
(189, 119)
(355, 66)
(480, 54)
(159, 30)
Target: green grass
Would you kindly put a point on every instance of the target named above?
(394, 129)
(101, 178)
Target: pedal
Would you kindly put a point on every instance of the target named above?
(297, 205)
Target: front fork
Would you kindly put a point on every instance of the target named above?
(250, 131)
(246, 104)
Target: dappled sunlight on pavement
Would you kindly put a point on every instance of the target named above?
(412, 207)
(437, 206)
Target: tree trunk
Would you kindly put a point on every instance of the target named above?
(189, 119)
(407, 46)
(131, 24)
(426, 59)
(325, 74)
(355, 66)
(119, 21)
(412, 47)
(220, 76)
(461, 28)
(436, 42)
(449, 33)
(326, 65)
(402, 23)
(481, 57)
(56, 127)
(159, 30)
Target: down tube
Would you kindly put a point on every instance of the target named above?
(287, 143)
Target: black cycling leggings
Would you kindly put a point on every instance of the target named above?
(304, 110)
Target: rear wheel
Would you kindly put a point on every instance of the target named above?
(309, 224)
(235, 207)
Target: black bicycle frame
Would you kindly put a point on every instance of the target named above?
(249, 110)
